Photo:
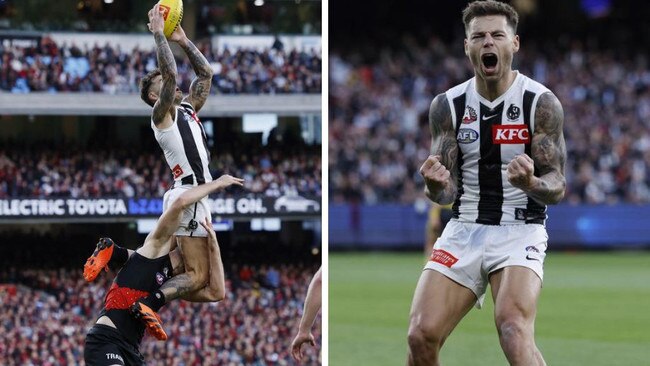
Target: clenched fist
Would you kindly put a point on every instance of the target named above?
(521, 172)
(435, 175)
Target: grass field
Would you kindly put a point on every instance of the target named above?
(594, 310)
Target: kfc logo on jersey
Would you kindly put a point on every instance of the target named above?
(443, 257)
(510, 134)
(470, 115)
(177, 171)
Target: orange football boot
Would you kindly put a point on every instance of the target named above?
(99, 259)
(150, 319)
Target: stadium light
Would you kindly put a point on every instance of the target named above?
(108, 1)
(259, 2)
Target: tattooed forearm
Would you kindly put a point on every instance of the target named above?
(444, 144)
(178, 286)
(166, 62)
(200, 88)
(548, 151)
(199, 63)
(167, 66)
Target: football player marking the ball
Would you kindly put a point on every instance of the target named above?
(116, 336)
(182, 138)
(498, 153)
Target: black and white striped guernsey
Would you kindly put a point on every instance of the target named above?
(489, 135)
(185, 146)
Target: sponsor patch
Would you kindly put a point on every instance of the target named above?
(470, 115)
(177, 171)
(443, 257)
(513, 113)
(466, 136)
(510, 134)
(159, 278)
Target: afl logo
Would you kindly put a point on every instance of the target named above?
(160, 278)
(513, 112)
(470, 115)
(466, 136)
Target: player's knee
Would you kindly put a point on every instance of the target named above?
(513, 331)
(422, 337)
(217, 294)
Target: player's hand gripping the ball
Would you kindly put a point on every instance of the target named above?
(178, 36)
(436, 176)
(156, 21)
(521, 172)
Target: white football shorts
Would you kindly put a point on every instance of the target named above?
(468, 252)
(197, 212)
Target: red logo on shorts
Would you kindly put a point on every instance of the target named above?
(509, 134)
(177, 171)
(165, 10)
(443, 257)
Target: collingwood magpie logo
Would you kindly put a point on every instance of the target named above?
(513, 112)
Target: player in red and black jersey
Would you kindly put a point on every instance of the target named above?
(116, 336)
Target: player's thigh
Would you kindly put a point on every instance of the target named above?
(195, 253)
(439, 304)
(515, 291)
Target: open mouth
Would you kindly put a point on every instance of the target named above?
(489, 61)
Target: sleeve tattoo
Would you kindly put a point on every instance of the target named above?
(548, 151)
(167, 66)
(200, 88)
(443, 143)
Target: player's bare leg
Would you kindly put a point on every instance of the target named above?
(197, 266)
(216, 288)
(515, 291)
(438, 305)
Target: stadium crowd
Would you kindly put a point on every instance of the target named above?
(45, 314)
(379, 134)
(110, 69)
(41, 171)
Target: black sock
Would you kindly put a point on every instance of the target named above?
(155, 300)
(119, 257)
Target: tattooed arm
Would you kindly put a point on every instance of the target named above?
(167, 65)
(200, 87)
(440, 170)
(548, 152)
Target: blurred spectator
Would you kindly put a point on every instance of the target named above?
(44, 320)
(109, 69)
(39, 171)
(379, 134)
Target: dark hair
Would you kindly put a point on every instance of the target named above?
(145, 84)
(490, 7)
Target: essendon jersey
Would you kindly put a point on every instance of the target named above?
(185, 147)
(139, 277)
(489, 135)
